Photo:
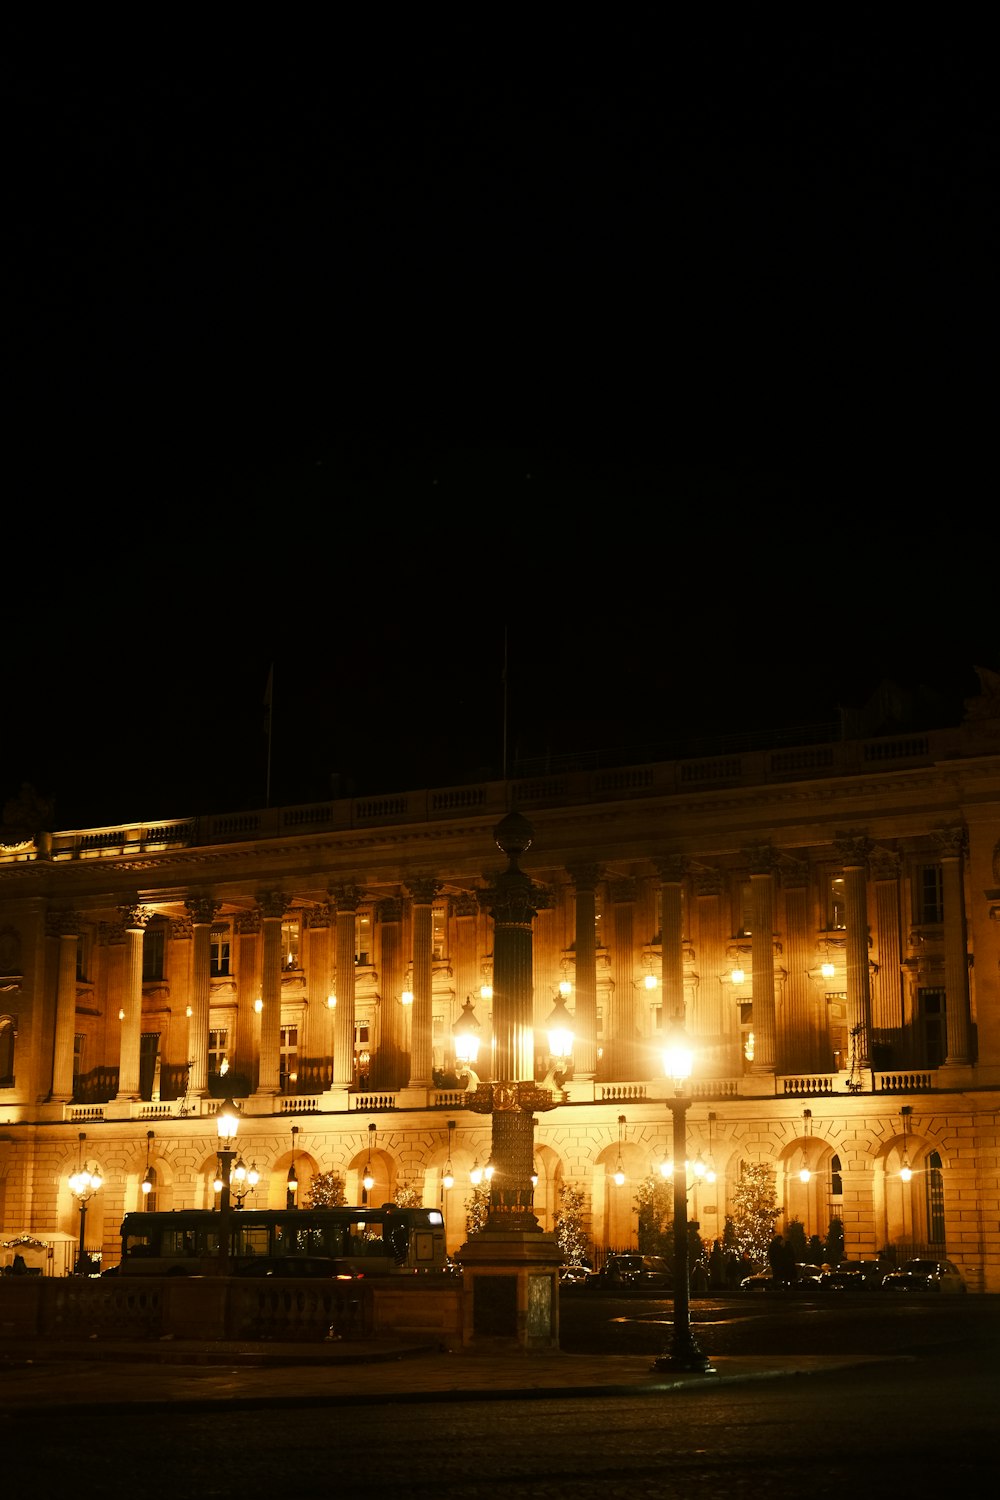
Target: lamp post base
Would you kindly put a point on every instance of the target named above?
(685, 1356)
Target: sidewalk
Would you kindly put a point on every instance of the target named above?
(98, 1374)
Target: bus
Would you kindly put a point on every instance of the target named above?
(339, 1242)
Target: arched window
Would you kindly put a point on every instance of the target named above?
(149, 1199)
(934, 1178)
(836, 1181)
(7, 1037)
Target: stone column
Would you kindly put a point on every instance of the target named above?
(623, 1041)
(347, 899)
(718, 1014)
(390, 1066)
(273, 905)
(795, 1047)
(952, 843)
(246, 1047)
(512, 1096)
(422, 893)
(318, 923)
(761, 859)
(854, 851)
(65, 925)
(585, 879)
(135, 920)
(671, 872)
(887, 982)
(201, 910)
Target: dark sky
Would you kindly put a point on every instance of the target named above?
(669, 353)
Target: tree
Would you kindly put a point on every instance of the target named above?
(835, 1242)
(477, 1209)
(571, 1235)
(326, 1191)
(795, 1234)
(654, 1203)
(406, 1196)
(755, 1209)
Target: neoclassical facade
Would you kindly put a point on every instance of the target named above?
(820, 916)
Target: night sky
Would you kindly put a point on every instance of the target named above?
(665, 358)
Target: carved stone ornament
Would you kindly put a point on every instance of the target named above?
(135, 918)
(202, 910)
(497, 1098)
(63, 923)
(273, 904)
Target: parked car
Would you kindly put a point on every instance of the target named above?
(633, 1270)
(574, 1275)
(926, 1276)
(852, 1276)
(806, 1274)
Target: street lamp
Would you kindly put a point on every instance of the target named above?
(684, 1353)
(560, 1031)
(465, 1037)
(368, 1180)
(292, 1181)
(83, 1184)
(227, 1124)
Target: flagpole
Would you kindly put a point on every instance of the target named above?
(269, 700)
(505, 703)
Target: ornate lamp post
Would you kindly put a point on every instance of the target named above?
(684, 1353)
(510, 1282)
(83, 1184)
(227, 1124)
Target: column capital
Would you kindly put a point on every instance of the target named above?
(134, 918)
(347, 898)
(585, 877)
(885, 864)
(853, 849)
(389, 909)
(422, 889)
(273, 904)
(671, 868)
(62, 923)
(202, 910)
(624, 891)
(707, 881)
(319, 916)
(795, 874)
(247, 923)
(952, 842)
(761, 859)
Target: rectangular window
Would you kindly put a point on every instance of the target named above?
(149, 1055)
(931, 1027)
(218, 1043)
(930, 896)
(290, 945)
(77, 1058)
(362, 1049)
(836, 904)
(218, 961)
(598, 925)
(83, 955)
(745, 916)
(288, 1062)
(154, 947)
(363, 957)
(439, 932)
(935, 1201)
(836, 1023)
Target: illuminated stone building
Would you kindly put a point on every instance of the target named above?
(820, 914)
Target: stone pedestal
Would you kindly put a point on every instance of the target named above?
(510, 1290)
